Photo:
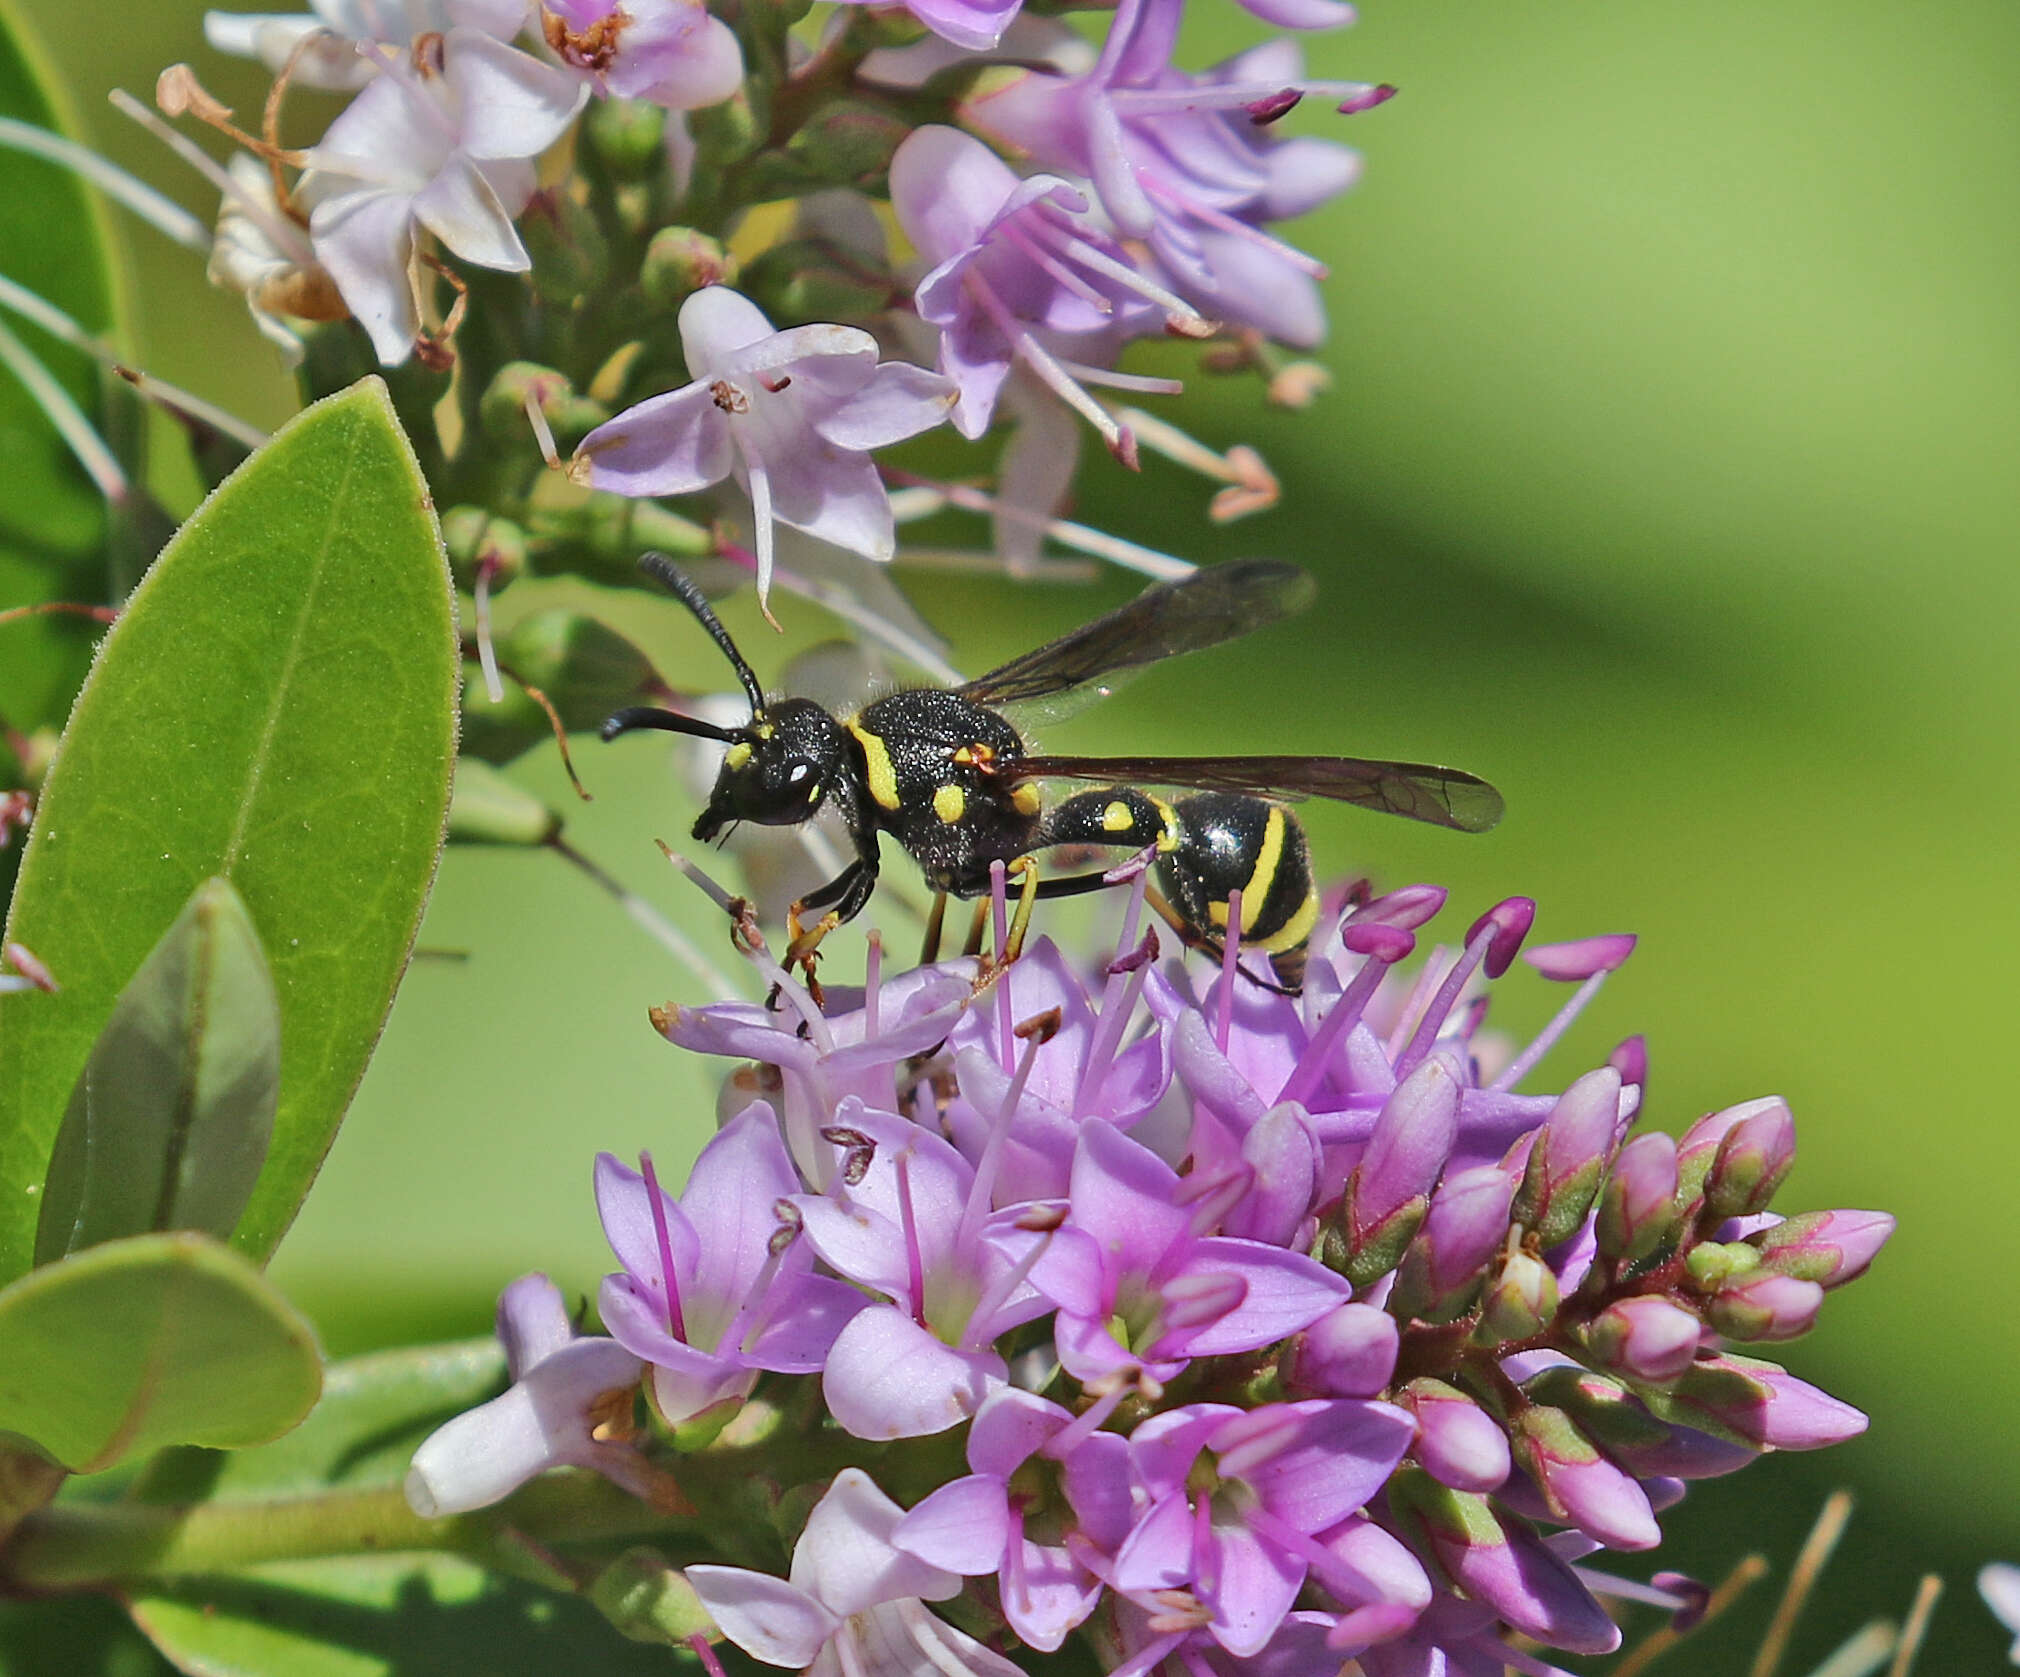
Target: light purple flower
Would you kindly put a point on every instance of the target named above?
(670, 52)
(352, 37)
(443, 141)
(714, 1289)
(1278, 1474)
(1999, 1587)
(852, 1606)
(915, 1226)
(1138, 1287)
(998, 1520)
(569, 1404)
(791, 415)
(1180, 162)
(1019, 274)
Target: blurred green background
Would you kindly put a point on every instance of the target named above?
(1668, 481)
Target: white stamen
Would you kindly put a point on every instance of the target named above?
(90, 448)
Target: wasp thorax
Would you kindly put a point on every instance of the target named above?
(777, 769)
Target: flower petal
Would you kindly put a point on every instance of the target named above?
(667, 445)
(462, 209)
(899, 401)
(766, 1617)
(887, 1377)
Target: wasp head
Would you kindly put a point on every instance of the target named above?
(778, 767)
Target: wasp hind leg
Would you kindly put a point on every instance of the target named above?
(848, 892)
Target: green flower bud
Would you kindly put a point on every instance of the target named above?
(1522, 1301)
(486, 808)
(729, 132)
(679, 262)
(571, 257)
(1711, 1263)
(476, 537)
(627, 136)
(647, 1599)
(847, 142)
(586, 669)
(501, 411)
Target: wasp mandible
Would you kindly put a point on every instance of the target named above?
(949, 777)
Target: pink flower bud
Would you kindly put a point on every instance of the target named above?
(1757, 1403)
(1349, 1352)
(1390, 1188)
(1637, 1207)
(1465, 1228)
(1754, 1155)
(1458, 1443)
(1647, 1338)
(1630, 1059)
(1569, 1158)
(1581, 1485)
(1521, 1301)
(1766, 1306)
(1827, 1247)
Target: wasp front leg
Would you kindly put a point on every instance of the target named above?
(843, 897)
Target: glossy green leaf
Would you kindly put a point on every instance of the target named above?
(142, 1343)
(55, 242)
(170, 1122)
(276, 706)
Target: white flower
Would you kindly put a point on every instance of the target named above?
(444, 140)
(343, 57)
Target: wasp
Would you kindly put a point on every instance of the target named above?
(945, 773)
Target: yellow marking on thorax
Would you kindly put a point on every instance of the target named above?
(1025, 799)
(737, 756)
(950, 803)
(877, 766)
(1257, 890)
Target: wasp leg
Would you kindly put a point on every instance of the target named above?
(978, 923)
(1026, 870)
(848, 891)
(936, 918)
(1193, 938)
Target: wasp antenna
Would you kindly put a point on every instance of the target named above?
(682, 587)
(666, 721)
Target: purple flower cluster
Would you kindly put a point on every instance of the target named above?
(1274, 1331)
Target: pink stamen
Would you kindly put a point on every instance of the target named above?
(1230, 965)
(1224, 223)
(1242, 96)
(999, 909)
(982, 1324)
(1546, 1039)
(1113, 1018)
(704, 1651)
(1205, 1552)
(1046, 366)
(1318, 1052)
(675, 1324)
(1057, 269)
(1428, 1027)
(1085, 1425)
(982, 1188)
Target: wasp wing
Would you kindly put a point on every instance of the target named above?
(1420, 791)
(1209, 606)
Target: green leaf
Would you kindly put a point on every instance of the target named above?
(55, 241)
(366, 1616)
(277, 707)
(169, 1125)
(157, 1340)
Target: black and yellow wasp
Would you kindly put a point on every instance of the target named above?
(951, 780)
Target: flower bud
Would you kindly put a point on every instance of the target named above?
(565, 243)
(584, 667)
(1756, 1403)
(1712, 1264)
(1458, 1443)
(1580, 1485)
(1521, 1301)
(817, 279)
(1766, 1307)
(486, 808)
(1466, 1227)
(1827, 1247)
(1637, 1205)
(1349, 1352)
(475, 537)
(1569, 1157)
(1585, 958)
(649, 1601)
(501, 411)
(679, 262)
(1390, 1188)
(1612, 1417)
(1647, 1338)
(1754, 1156)
(1500, 1563)
(729, 131)
(627, 136)
(847, 142)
